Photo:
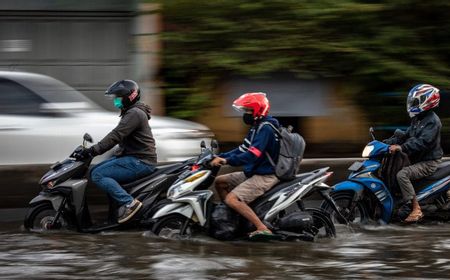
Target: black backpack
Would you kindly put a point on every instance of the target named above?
(224, 222)
(292, 147)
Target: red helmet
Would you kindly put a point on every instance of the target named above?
(256, 102)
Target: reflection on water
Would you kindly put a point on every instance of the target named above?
(372, 252)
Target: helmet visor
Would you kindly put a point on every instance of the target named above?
(412, 102)
(242, 109)
(117, 92)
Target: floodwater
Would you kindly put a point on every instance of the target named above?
(372, 252)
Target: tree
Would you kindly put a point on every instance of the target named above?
(374, 45)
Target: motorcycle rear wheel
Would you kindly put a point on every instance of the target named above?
(322, 223)
(39, 218)
(174, 226)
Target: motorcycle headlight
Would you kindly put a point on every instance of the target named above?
(188, 184)
(171, 193)
(195, 176)
(367, 150)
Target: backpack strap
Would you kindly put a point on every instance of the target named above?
(271, 125)
(270, 159)
(272, 162)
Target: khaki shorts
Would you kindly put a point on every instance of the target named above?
(248, 189)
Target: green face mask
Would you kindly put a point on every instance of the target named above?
(118, 102)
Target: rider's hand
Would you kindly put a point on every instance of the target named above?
(218, 161)
(84, 153)
(394, 148)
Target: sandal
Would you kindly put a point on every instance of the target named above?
(413, 218)
(260, 233)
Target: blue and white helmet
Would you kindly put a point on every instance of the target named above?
(421, 98)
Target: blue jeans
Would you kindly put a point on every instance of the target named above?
(109, 174)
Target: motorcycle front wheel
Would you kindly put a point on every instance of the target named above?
(40, 218)
(354, 212)
(174, 226)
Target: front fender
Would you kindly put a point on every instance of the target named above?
(357, 188)
(376, 187)
(172, 208)
(55, 200)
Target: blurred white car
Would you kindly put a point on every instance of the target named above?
(43, 119)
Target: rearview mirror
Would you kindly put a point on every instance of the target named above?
(88, 138)
(214, 144)
(371, 131)
(202, 145)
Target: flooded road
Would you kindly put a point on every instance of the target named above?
(372, 252)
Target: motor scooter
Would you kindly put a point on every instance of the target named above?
(281, 208)
(62, 202)
(364, 196)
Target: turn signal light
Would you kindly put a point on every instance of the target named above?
(50, 184)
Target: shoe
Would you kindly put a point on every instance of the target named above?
(126, 212)
(413, 217)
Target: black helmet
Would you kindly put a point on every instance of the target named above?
(127, 89)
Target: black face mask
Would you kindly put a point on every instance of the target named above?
(248, 119)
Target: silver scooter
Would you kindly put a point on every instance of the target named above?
(281, 208)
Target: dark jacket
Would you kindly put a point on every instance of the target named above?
(133, 134)
(422, 140)
(252, 153)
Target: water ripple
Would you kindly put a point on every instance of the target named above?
(370, 252)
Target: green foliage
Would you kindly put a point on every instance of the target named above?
(378, 45)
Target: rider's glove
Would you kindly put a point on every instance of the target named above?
(84, 153)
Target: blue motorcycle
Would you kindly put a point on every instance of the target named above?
(365, 196)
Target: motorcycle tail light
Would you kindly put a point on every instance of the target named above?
(328, 175)
(195, 167)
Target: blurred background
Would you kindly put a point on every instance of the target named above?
(330, 68)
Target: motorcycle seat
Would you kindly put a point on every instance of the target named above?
(442, 171)
(314, 175)
(281, 185)
(163, 169)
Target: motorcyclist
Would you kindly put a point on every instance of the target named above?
(421, 142)
(238, 189)
(136, 156)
